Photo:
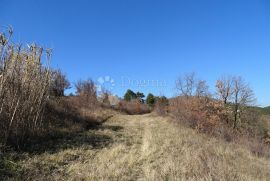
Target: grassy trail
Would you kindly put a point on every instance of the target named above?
(145, 147)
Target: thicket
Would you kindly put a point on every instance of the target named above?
(32, 102)
(227, 113)
(25, 82)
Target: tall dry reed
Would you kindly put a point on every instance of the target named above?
(24, 89)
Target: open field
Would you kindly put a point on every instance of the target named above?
(142, 147)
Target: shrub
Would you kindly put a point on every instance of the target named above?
(161, 105)
(59, 83)
(87, 93)
(230, 117)
(105, 98)
(133, 107)
(200, 113)
(196, 106)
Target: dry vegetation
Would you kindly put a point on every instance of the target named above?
(24, 90)
(229, 115)
(33, 110)
(133, 107)
(146, 147)
(194, 136)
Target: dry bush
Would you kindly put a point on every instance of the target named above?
(133, 107)
(104, 98)
(200, 113)
(87, 94)
(212, 117)
(59, 83)
(24, 90)
(229, 118)
(161, 105)
(195, 106)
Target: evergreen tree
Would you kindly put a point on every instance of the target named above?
(129, 95)
(150, 100)
(140, 96)
(162, 100)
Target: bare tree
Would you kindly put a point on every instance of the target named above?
(59, 83)
(202, 89)
(224, 88)
(86, 87)
(242, 96)
(189, 86)
(236, 91)
(186, 85)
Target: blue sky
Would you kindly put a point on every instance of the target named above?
(143, 40)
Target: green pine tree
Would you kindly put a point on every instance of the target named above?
(150, 100)
(130, 95)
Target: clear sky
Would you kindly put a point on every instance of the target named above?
(144, 40)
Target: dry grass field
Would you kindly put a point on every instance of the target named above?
(142, 147)
(267, 120)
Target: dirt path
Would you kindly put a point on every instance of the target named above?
(147, 147)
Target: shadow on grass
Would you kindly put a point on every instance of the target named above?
(61, 141)
(54, 143)
(65, 129)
